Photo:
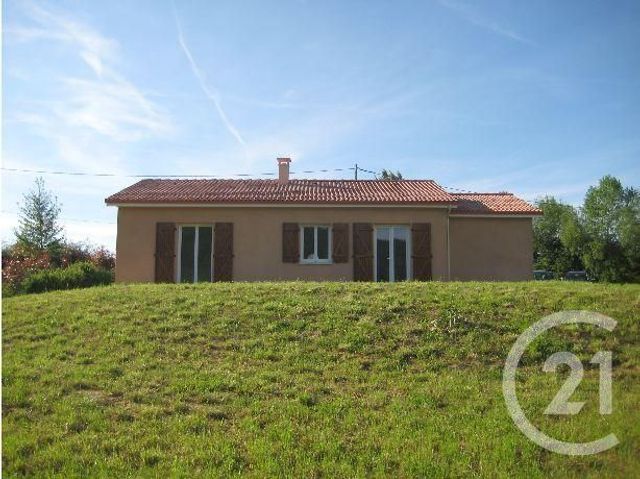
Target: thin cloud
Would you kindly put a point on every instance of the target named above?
(210, 93)
(94, 48)
(115, 109)
(470, 14)
(105, 103)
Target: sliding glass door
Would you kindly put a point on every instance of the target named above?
(392, 253)
(196, 252)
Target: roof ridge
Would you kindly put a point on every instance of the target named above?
(483, 193)
(292, 180)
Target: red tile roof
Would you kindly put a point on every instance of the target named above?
(492, 204)
(363, 192)
(294, 192)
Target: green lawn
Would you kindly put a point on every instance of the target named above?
(306, 380)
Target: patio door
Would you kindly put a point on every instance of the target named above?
(195, 246)
(392, 253)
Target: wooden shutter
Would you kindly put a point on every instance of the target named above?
(290, 243)
(340, 235)
(362, 252)
(421, 241)
(223, 252)
(165, 252)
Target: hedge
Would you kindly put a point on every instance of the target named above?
(78, 275)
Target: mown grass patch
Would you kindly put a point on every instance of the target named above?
(305, 380)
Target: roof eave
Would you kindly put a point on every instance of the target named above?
(281, 204)
(497, 214)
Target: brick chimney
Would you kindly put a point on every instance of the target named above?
(283, 170)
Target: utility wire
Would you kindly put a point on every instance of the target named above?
(116, 175)
(458, 189)
(66, 218)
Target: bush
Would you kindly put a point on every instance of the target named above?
(78, 275)
(103, 258)
(18, 264)
(71, 253)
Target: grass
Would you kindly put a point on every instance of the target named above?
(306, 380)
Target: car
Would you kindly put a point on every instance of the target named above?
(543, 275)
(576, 276)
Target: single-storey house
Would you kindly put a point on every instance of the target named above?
(343, 230)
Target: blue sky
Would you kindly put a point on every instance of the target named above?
(531, 97)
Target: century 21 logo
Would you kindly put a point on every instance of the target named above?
(560, 403)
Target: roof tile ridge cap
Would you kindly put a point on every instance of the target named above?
(380, 180)
(484, 193)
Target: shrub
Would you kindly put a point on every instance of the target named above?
(78, 275)
(71, 253)
(18, 264)
(103, 258)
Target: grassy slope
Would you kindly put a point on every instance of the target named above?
(305, 379)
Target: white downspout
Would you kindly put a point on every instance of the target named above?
(448, 246)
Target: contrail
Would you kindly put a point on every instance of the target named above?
(211, 93)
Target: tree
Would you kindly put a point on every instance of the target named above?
(611, 218)
(573, 237)
(555, 237)
(38, 227)
(629, 231)
(390, 175)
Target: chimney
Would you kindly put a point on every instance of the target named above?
(283, 170)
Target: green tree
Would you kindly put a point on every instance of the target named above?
(552, 233)
(629, 231)
(390, 175)
(611, 218)
(573, 237)
(38, 226)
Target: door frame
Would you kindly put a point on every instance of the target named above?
(391, 255)
(196, 241)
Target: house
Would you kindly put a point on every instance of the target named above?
(285, 229)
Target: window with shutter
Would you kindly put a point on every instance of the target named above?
(362, 252)
(315, 242)
(223, 252)
(165, 252)
(290, 243)
(340, 242)
(392, 253)
(421, 241)
(195, 248)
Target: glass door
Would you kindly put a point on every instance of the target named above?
(392, 253)
(196, 248)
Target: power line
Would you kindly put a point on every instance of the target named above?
(459, 190)
(6, 212)
(116, 175)
(367, 171)
(355, 168)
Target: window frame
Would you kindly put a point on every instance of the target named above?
(315, 260)
(392, 272)
(196, 244)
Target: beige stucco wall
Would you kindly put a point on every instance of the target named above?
(494, 249)
(258, 238)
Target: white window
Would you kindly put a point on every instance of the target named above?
(195, 253)
(315, 244)
(392, 253)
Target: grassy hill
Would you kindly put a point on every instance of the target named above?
(306, 380)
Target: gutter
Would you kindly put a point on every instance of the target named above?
(495, 215)
(278, 205)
